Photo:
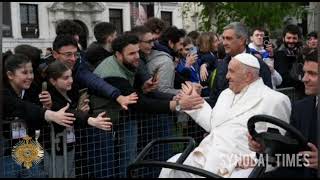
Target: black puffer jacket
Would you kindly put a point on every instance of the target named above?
(95, 54)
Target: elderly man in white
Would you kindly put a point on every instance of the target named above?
(227, 121)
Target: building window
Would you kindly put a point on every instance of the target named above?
(166, 16)
(29, 20)
(115, 16)
(6, 20)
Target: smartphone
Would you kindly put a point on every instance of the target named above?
(155, 74)
(44, 86)
(83, 94)
(266, 41)
(193, 50)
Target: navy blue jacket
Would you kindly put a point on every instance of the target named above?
(221, 82)
(304, 118)
(209, 58)
(190, 73)
(86, 79)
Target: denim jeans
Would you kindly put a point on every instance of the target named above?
(126, 144)
(10, 169)
(152, 127)
(100, 153)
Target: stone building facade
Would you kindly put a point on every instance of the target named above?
(34, 22)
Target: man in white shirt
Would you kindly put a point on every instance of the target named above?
(262, 48)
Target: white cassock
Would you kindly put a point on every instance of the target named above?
(227, 127)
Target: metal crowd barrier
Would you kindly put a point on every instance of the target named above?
(99, 153)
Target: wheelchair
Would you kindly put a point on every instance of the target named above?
(273, 141)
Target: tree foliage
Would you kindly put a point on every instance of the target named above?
(269, 15)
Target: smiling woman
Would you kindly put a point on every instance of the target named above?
(19, 73)
(63, 92)
(22, 102)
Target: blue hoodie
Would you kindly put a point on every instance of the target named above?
(192, 73)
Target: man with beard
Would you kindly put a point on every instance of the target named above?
(163, 57)
(119, 70)
(288, 60)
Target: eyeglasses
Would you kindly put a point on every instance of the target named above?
(70, 54)
(148, 42)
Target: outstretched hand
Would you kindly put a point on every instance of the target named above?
(203, 72)
(187, 88)
(60, 117)
(124, 101)
(190, 88)
(191, 102)
(101, 122)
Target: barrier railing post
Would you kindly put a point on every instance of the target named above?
(65, 158)
(53, 150)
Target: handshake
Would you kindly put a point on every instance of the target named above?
(189, 96)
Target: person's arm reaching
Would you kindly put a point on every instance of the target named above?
(85, 78)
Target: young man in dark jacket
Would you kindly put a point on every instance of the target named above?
(288, 60)
(104, 33)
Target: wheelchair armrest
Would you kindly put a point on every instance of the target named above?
(171, 165)
(182, 158)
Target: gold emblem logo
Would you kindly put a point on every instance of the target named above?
(27, 152)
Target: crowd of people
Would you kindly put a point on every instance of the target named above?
(219, 80)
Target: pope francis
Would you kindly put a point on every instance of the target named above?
(227, 121)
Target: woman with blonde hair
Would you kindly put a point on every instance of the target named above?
(207, 48)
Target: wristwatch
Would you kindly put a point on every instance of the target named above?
(178, 107)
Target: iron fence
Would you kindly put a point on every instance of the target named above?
(98, 153)
(92, 152)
